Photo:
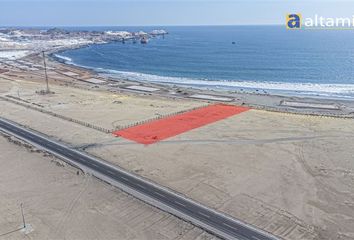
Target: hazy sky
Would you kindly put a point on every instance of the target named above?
(162, 12)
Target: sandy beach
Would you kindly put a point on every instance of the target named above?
(285, 166)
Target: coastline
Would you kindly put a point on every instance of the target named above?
(263, 101)
(282, 96)
(335, 91)
(272, 162)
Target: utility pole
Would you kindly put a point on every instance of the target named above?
(45, 71)
(23, 217)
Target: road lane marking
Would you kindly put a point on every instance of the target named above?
(205, 215)
(160, 194)
(229, 226)
(70, 154)
(124, 178)
(140, 185)
(111, 172)
(180, 203)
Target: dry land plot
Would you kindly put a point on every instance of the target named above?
(61, 204)
(291, 175)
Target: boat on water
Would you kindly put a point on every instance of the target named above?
(144, 40)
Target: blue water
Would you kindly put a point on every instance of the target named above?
(271, 58)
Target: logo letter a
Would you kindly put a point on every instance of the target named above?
(293, 21)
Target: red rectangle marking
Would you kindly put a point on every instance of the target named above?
(161, 129)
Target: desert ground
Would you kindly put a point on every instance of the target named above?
(288, 174)
(60, 202)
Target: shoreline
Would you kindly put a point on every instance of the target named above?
(251, 154)
(218, 85)
(263, 101)
(257, 98)
(280, 164)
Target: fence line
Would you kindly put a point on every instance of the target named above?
(157, 118)
(308, 114)
(27, 105)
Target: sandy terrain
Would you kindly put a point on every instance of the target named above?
(288, 174)
(106, 110)
(59, 204)
(13, 54)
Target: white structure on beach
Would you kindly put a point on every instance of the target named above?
(122, 34)
(158, 32)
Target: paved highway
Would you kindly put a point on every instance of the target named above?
(210, 220)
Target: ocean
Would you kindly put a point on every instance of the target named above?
(264, 59)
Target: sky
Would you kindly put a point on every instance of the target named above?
(163, 12)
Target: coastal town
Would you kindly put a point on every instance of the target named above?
(16, 43)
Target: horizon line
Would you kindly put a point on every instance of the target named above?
(153, 25)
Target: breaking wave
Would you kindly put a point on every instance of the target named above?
(310, 89)
(343, 91)
(64, 59)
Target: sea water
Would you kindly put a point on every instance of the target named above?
(264, 59)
